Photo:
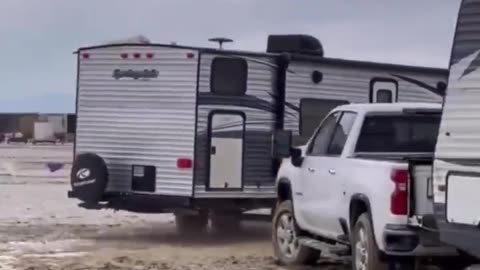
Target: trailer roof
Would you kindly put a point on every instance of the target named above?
(294, 57)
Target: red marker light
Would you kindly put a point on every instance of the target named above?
(190, 55)
(136, 55)
(85, 55)
(150, 55)
(184, 163)
(124, 55)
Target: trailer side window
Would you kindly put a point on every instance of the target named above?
(312, 112)
(383, 90)
(384, 96)
(228, 76)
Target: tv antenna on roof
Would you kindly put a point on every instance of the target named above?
(220, 41)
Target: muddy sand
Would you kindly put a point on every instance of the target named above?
(41, 229)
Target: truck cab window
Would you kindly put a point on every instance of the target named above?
(321, 141)
(228, 76)
(341, 133)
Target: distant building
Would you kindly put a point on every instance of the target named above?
(24, 123)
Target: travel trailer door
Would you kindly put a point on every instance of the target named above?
(457, 167)
(227, 133)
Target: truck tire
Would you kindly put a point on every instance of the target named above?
(286, 247)
(365, 253)
(191, 224)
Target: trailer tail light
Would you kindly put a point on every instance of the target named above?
(184, 163)
(399, 198)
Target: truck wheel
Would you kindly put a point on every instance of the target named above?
(366, 255)
(285, 242)
(191, 224)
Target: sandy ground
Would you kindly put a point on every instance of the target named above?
(40, 229)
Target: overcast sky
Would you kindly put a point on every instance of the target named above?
(39, 36)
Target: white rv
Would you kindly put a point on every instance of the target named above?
(456, 185)
(165, 128)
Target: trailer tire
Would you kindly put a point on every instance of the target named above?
(225, 222)
(191, 224)
(89, 177)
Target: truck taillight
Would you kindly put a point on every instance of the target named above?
(399, 198)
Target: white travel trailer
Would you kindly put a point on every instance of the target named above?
(456, 185)
(166, 128)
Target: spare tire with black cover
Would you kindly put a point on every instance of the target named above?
(89, 177)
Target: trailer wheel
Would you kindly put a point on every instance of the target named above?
(225, 222)
(191, 224)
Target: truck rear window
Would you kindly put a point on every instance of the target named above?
(399, 134)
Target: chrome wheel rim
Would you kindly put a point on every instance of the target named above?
(361, 250)
(287, 240)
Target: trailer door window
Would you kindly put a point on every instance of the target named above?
(228, 76)
(312, 112)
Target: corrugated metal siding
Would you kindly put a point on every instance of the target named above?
(141, 122)
(461, 112)
(347, 83)
(258, 173)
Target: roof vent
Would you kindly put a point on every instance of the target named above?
(298, 44)
(138, 39)
(220, 41)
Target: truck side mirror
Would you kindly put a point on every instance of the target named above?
(296, 157)
(282, 142)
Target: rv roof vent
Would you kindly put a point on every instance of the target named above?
(220, 41)
(301, 44)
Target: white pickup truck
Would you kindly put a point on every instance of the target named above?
(363, 182)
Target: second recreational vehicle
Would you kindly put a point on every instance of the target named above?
(456, 184)
(166, 128)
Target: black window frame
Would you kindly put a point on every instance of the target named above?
(216, 91)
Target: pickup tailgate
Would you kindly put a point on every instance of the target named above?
(421, 207)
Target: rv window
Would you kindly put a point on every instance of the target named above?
(312, 112)
(228, 76)
(384, 96)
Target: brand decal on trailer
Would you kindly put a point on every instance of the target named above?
(83, 173)
(135, 74)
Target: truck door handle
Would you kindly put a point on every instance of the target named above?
(331, 171)
(311, 170)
